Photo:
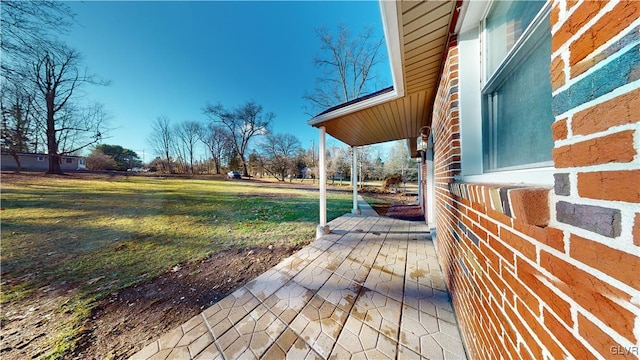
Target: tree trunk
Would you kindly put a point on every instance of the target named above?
(244, 166)
(169, 163)
(54, 164)
(216, 161)
(52, 143)
(17, 159)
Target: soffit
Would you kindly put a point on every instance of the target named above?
(423, 28)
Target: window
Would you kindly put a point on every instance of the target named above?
(516, 97)
(69, 160)
(40, 158)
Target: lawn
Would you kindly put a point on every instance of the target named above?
(95, 235)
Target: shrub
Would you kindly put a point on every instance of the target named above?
(100, 161)
(392, 182)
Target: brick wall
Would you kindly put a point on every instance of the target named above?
(553, 273)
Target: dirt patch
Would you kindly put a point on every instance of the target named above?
(123, 322)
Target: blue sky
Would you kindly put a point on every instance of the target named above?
(172, 58)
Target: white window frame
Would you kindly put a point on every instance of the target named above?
(472, 72)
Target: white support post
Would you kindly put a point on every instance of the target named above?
(354, 180)
(430, 208)
(322, 229)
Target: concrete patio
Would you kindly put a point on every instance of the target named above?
(371, 289)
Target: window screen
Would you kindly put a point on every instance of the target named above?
(517, 113)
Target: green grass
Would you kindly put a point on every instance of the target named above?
(100, 235)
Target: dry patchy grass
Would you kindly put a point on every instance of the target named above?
(82, 238)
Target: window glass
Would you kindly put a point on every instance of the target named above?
(517, 114)
(505, 24)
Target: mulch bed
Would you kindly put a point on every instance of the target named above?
(405, 212)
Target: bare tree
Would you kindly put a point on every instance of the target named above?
(399, 162)
(48, 69)
(17, 113)
(243, 123)
(365, 167)
(339, 162)
(347, 67)
(57, 77)
(27, 27)
(187, 136)
(216, 138)
(277, 155)
(161, 140)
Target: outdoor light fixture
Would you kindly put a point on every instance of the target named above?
(423, 138)
(424, 133)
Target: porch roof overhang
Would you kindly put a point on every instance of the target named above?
(416, 34)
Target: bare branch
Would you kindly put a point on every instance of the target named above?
(346, 65)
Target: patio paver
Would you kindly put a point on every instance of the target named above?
(372, 288)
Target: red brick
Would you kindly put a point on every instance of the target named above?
(494, 338)
(566, 338)
(610, 25)
(524, 247)
(489, 225)
(487, 196)
(557, 74)
(575, 22)
(636, 230)
(521, 292)
(497, 287)
(623, 266)
(479, 207)
(481, 234)
(555, 14)
(530, 206)
(525, 353)
(491, 258)
(531, 277)
(593, 294)
(555, 238)
(473, 215)
(502, 250)
(600, 340)
(535, 324)
(511, 348)
(496, 215)
(559, 130)
(536, 232)
(616, 147)
(610, 185)
(509, 331)
(624, 109)
(572, 3)
(524, 333)
(467, 222)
